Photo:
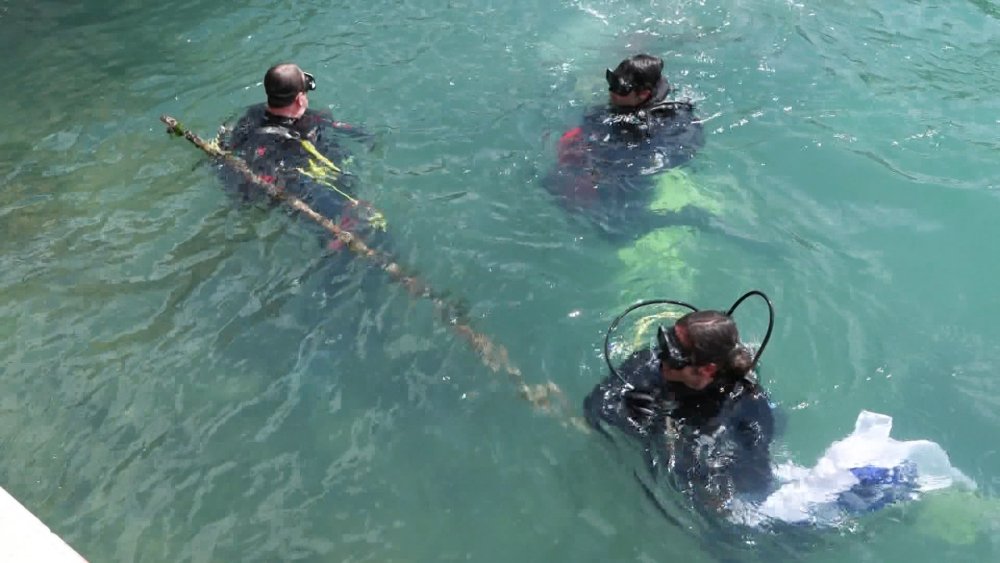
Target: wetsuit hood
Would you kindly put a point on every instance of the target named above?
(659, 94)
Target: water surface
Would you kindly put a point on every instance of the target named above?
(189, 379)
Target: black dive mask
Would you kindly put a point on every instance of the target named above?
(671, 352)
(309, 82)
(618, 85)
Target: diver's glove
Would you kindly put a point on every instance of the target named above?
(642, 405)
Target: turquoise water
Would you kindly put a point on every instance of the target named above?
(185, 379)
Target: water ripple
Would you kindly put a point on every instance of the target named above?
(188, 378)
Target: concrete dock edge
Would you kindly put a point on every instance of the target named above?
(24, 538)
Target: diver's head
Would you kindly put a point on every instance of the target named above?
(634, 80)
(286, 86)
(703, 348)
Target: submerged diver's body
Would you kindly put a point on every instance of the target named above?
(297, 149)
(700, 416)
(607, 165)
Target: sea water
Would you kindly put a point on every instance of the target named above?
(189, 379)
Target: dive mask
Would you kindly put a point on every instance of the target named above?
(618, 85)
(671, 352)
(308, 82)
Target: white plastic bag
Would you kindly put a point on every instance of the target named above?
(861, 473)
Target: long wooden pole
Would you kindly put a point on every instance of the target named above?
(546, 397)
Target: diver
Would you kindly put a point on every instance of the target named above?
(607, 165)
(299, 150)
(695, 406)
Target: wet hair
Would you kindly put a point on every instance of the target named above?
(643, 71)
(714, 339)
(282, 83)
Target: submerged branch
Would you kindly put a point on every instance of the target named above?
(546, 397)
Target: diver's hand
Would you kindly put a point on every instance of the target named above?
(642, 405)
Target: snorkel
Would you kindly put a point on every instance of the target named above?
(669, 348)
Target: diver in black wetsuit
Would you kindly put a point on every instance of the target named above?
(298, 149)
(696, 409)
(606, 164)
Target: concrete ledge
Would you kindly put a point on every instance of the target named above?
(24, 538)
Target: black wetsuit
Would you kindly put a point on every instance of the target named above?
(715, 442)
(272, 146)
(606, 165)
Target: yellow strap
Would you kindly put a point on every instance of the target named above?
(376, 219)
(323, 171)
(311, 149)
(319, 175)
